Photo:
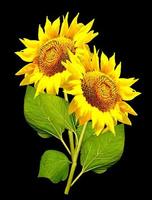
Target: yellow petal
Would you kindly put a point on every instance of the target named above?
(116, 113)
(64, 26)
(125, 119)
(82, 120)
(90, 36)
(74, 27)
(109, 122)
(30, 43)
(104, 62)
(94, 117)
(99, 126)
(86, 28)
(47, 27)
(127, 108)
(72, 57)
(111, 63)
(40, 86)
(127, 81)
(50, 86)
(41, 35)
(127, 93)
(27, 54)
(107, 66)
(118, 71)
(64, 78)
(81, 109)
(74, 83)
(26, 69)
(72, 106)
(83, 38)
(80, 99)
(55, 28)
(26, 81)
(57, 82)
(85, 118)
(95, 60)
(75, 90)
(85, 56)
(75, 66)
(97, 119)
(36, 75)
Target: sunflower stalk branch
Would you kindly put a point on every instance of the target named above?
(74, 161)
(71, 140)
(78, 176)
(66, 147)
(70, 133)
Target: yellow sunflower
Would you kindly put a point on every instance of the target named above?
(99, 92)
(45, 55)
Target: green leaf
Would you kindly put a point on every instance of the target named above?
(44, 135)
(54, 165)
(100, 170)
(47, 113)
(98, 153)
(89, 131)
(41, 133)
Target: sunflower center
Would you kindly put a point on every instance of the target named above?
(100, 90)
(52, 54)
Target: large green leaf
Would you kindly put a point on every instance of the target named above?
(54, 165)
(47, 113)
(98, 153)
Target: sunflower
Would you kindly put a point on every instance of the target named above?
(99, 92)
(45, 55)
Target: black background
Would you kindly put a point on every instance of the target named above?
(123, 29)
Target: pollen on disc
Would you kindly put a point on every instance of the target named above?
(100, 91)
(52, 54)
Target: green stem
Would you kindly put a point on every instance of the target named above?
(76, 139)
(74, 163)
(64, 144)
(66, 96)
(71, 143)
(80, 174)
(71, 139)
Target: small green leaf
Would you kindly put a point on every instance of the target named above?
(100, 170)
(54, 165)
(44, 135)
(47, 113)
(41, 133)
(88, 131)
(98, 153)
